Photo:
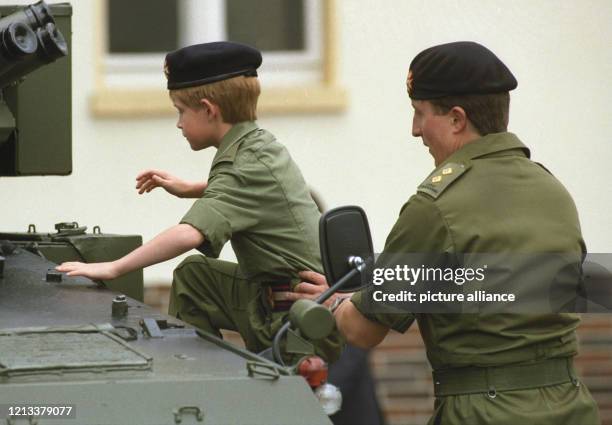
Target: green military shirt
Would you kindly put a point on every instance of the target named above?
(257, 199)
(487, 197)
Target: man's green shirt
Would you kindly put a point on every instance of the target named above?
(488, 197)
(257, 199)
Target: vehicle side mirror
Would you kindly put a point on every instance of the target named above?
(344, 235)
(347, 254)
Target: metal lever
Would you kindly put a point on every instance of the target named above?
(151, 327)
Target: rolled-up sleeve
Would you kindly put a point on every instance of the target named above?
(398, 322)
(226, 208)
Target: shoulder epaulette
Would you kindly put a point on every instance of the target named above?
(441, 178)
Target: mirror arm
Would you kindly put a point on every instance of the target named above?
(332, 289)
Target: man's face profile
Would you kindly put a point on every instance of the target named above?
(434, 129)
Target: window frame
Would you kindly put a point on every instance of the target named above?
(317, 94)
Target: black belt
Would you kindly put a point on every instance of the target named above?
(491, 380)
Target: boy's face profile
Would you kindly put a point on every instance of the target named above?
(197, 125)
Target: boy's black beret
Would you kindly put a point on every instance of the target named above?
(458, 68)
(210, 62)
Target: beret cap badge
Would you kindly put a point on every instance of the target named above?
(166, 71)
(410, 82)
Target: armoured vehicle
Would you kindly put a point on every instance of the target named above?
(77, 351)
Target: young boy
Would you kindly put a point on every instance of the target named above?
(255, 197)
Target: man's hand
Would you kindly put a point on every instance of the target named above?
(148, 180)
(101, 271)
(356, 328)
(312, 286)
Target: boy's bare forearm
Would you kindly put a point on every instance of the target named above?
(169, 244)
(197, 190)
(150, 179)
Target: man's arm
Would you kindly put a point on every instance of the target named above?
(168, 244)
(356, 328)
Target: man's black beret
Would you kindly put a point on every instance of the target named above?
(457, 68)
(210, 62)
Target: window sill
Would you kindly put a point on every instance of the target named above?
(120, 103)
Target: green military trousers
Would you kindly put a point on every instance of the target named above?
(211, 295)
(565, 403)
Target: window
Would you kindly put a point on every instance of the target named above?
(294, 36)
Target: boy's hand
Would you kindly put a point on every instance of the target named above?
(148, 180)
(100, 271)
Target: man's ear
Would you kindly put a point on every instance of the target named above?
(458, 117)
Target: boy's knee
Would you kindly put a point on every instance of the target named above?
(188, 276)
(191, 260)
(192, 268)
(203, 276)
(201, 267)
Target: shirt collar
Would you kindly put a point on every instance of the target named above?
(486, 145)
(237, 132)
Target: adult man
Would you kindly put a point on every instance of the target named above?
(485, 196)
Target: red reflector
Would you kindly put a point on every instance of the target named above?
(314, 370)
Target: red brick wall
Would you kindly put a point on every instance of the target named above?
(403, 375)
